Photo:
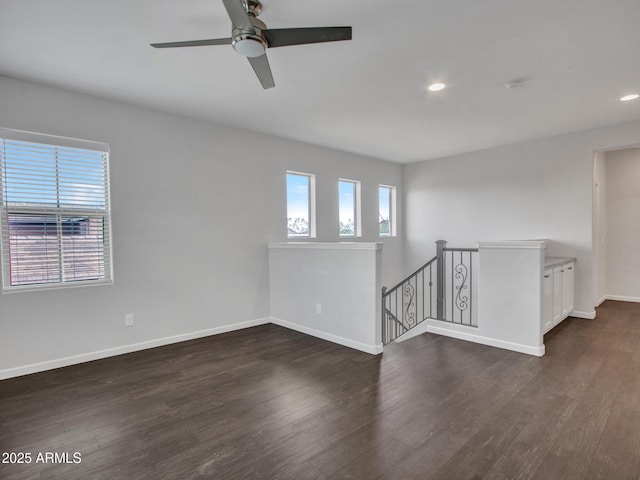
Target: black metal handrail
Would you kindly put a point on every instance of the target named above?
(419, 270)
(409, 303)
(433, 291)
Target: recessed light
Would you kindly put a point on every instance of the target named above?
(628, 98)
(436, 87)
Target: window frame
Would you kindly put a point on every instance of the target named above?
(311, 204)
(357, 209)
(59, 212)
(392, 199)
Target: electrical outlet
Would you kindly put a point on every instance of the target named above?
(318, 308)
(128, 320)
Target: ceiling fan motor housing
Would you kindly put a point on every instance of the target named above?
(247, 43)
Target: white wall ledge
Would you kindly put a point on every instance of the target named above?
(533, 244)
(327, 245)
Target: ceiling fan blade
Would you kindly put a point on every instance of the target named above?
(238, 15)
(263, 70)
(194, 43)
(282, 37)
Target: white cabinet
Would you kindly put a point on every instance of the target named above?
(557, 295)
(567, 289)
(547, 300)
(557, 292)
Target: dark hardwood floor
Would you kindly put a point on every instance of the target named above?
(270, 403)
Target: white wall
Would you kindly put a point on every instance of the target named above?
(329, 290)
(599, 227)
(622, 269)
(194, 206)
(529, 190)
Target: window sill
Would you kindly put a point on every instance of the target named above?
(56, 286)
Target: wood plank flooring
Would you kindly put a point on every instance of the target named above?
(270, 403)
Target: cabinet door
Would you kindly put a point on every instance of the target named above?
(557, 295)
(547, 300)
(567, 289)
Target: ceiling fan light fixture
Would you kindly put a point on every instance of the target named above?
(249, 46)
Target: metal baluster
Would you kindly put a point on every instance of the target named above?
(453, 297)
(440, 255)
(460, 290)
(430, 292)
(384, 317)
(423, 295)
(470, 289)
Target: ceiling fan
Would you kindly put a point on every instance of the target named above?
(250, 37)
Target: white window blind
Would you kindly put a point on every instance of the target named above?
(55, 215)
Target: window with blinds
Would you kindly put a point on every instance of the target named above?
(54, 207)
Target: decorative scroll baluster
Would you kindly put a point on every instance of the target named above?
(462, 273)
(461, 289)
(409, 317)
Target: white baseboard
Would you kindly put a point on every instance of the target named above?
(363, 347)
(111, 352)
(622, 298)
(414, 332)
(587, 315)
(601, 301)
(492, 342)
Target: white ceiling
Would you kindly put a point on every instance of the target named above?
(366, 96)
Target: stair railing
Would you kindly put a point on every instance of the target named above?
(441, 289)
